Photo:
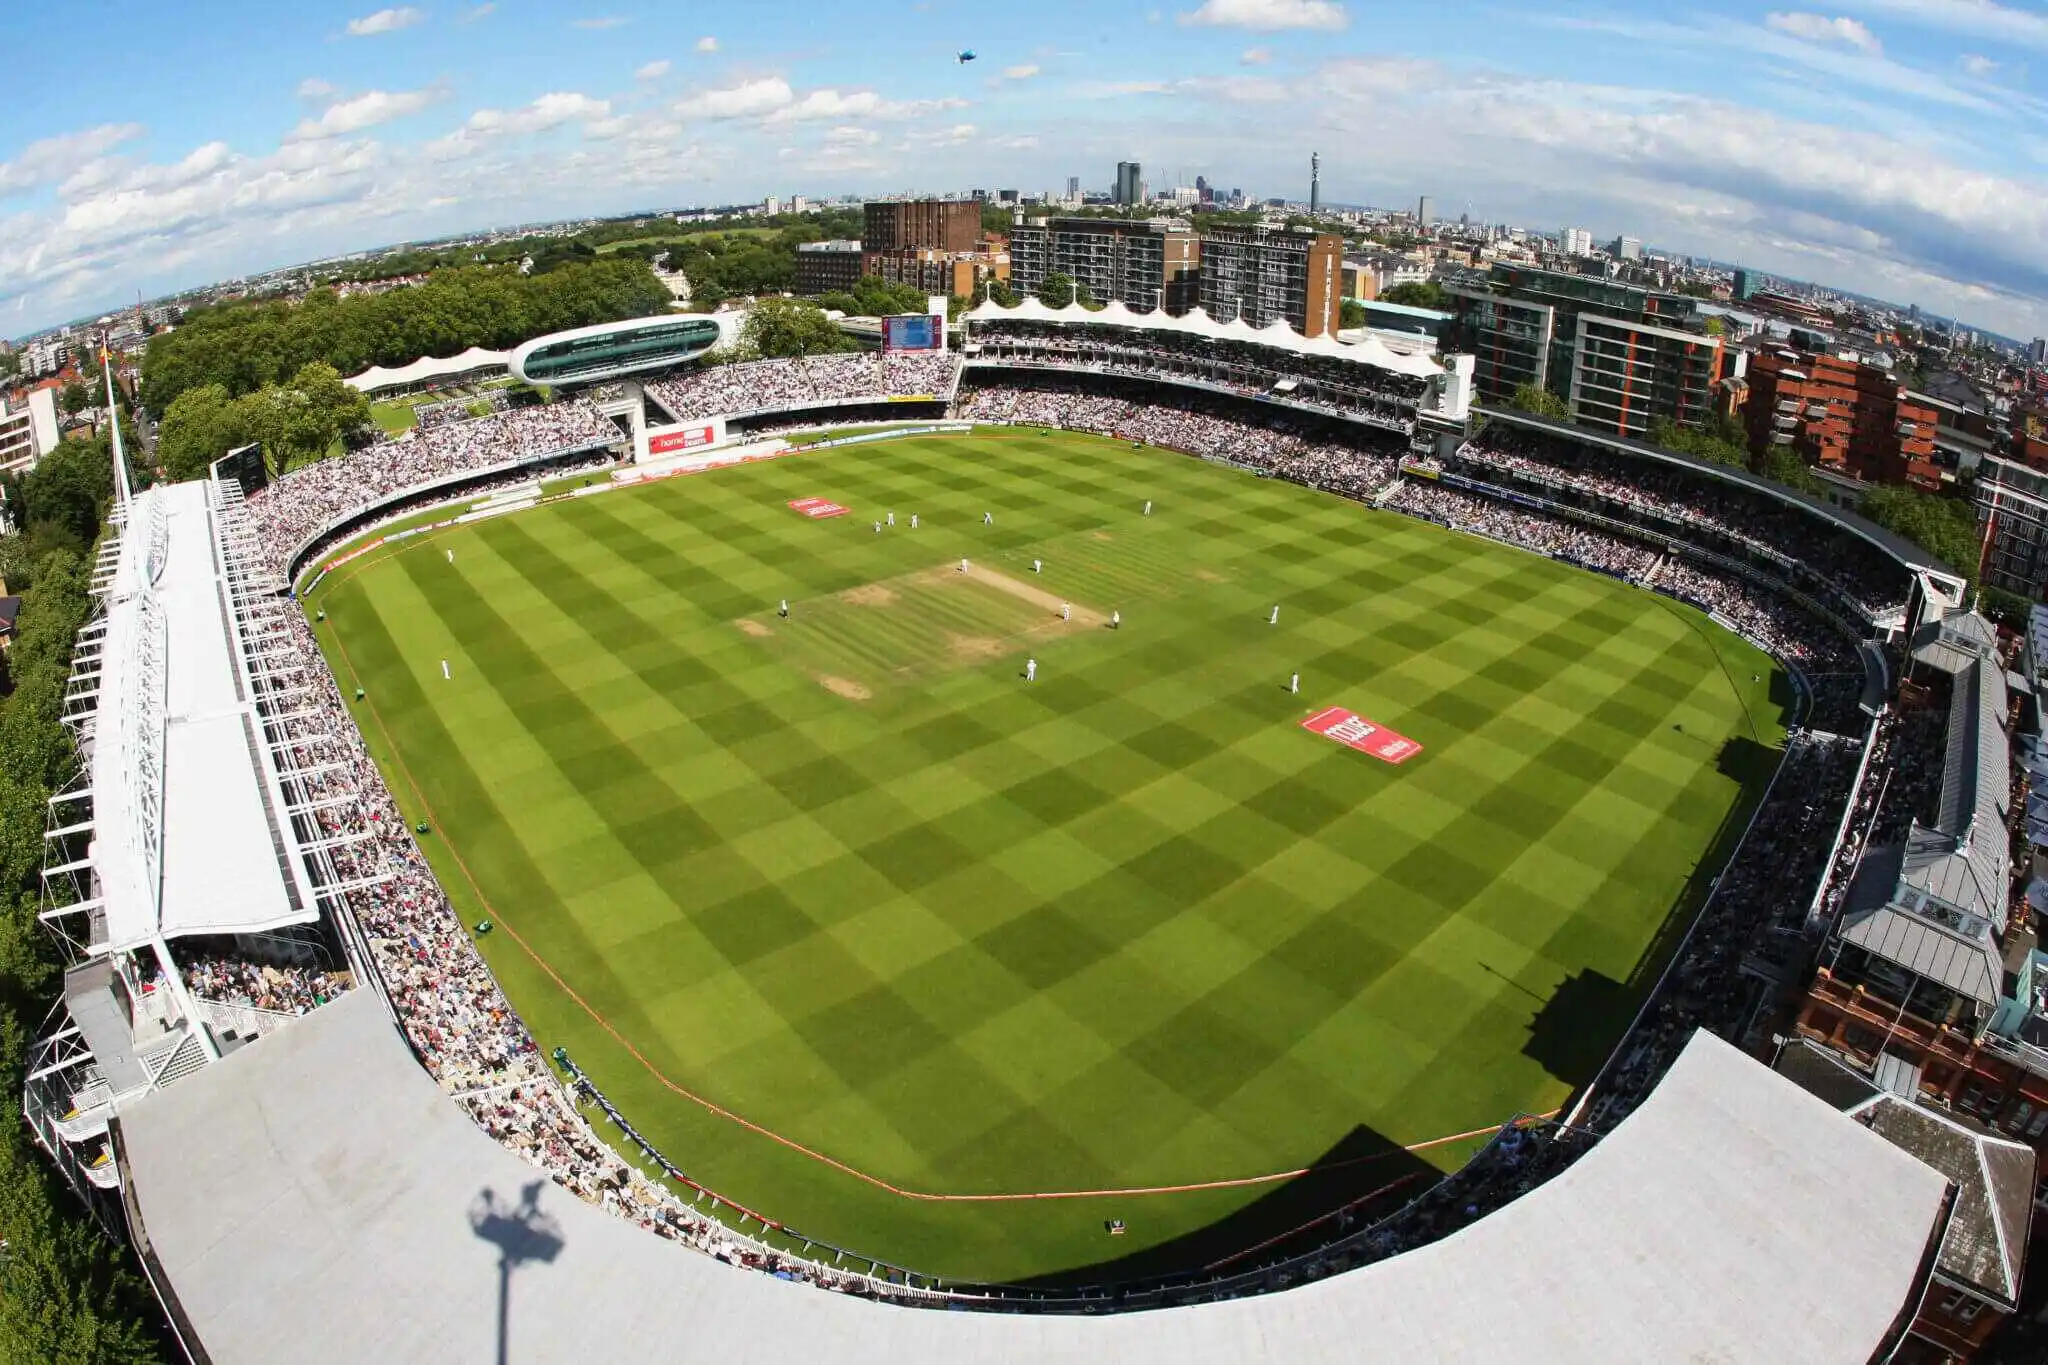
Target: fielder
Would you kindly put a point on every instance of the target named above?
(1148, 507)
(988, 518)
(451, 556)
(444, 669)
(1031, 670)
(783, 610)
(1066, 611)
(913, 521)
(1037, 566)
(878, 528)
(1116, 620)
(892, 518)
(963, 566)
(1274, 619)
(1294, 683)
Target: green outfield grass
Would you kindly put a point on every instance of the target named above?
(851, 877)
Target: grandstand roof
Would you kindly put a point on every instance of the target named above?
(1893, 544)
(318, 1189)
(426, 369)
(1277, 334)
(182, 798)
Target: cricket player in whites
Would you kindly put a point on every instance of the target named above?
(1274, 619)
(1031, 670)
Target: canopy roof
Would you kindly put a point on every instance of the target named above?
(183, 794)
(1197, 323)
(426, 369)
(319, 1189)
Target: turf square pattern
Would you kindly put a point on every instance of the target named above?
(845, 913)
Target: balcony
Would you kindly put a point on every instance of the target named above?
(103, 1172)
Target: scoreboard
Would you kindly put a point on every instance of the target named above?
(914, 332)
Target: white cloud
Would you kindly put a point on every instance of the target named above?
(1976, 18)
(483, 11)
(1020, 73)
(653, 71)
(1256, 56)
(846, 135)
(748, 99)
(551, 110)
(1976, 64)
(1016, 142)
(707, 44)
(959, 135)
(386, 21)
(604, 22)
(1268, 15)
(1818, 28)
(366, 110)
(828, 103)
(313, 88)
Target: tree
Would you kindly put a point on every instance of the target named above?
(2007, 609)
(790, 327)
(73, 399)
(1788, 469)
(299, 422)
(200, 427)
(1416, 294)
(1001, 294)
(1944, 527)
(10, 364)
(1711, 445)
(1350, 314)
(1535, 399)
(1057, 289)
(1714, 327)
(68, 491)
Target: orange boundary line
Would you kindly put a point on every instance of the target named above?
(715, 1108)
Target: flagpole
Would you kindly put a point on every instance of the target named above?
(122, 492)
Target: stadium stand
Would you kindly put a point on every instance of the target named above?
(1673, 1120)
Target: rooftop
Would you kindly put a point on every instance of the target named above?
(321, 1190)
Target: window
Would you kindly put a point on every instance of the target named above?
(2020, 1114)
(2039, 1125)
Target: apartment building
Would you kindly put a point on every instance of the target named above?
(1263, 275)
(1146, 266)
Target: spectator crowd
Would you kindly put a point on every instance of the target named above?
(285, 989)
(309, 499)
(806, 382)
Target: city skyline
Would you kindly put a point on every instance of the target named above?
(1886, 147)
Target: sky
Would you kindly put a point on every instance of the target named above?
(1897, 148)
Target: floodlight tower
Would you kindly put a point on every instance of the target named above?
(1315, 182)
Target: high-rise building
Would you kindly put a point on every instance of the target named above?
(1145, 266)
(2037, 352)
(1425, 212)
(1315, 182)
(921, 225)
(1575, 241)
(1627, 249)
(1746, 285)
(1263, 275)
(1130, 183)
(1073, 189)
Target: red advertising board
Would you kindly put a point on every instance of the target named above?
(669, 442)
(1351, 729)
(815, 508)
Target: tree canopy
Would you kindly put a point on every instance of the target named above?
(1722, 442)
(789, 327)
(1944, 527)
(1416, 294)
(874, 296)
(244, 346)
(1539, 401)
(1350, 314)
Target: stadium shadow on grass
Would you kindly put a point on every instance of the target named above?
(1577, 1027)
(1363, 1178)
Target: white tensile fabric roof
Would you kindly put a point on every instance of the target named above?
(219, 872)
(379, 377)
(318, 1189)
(1195, 322)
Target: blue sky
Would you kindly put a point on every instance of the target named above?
(1896, 147)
